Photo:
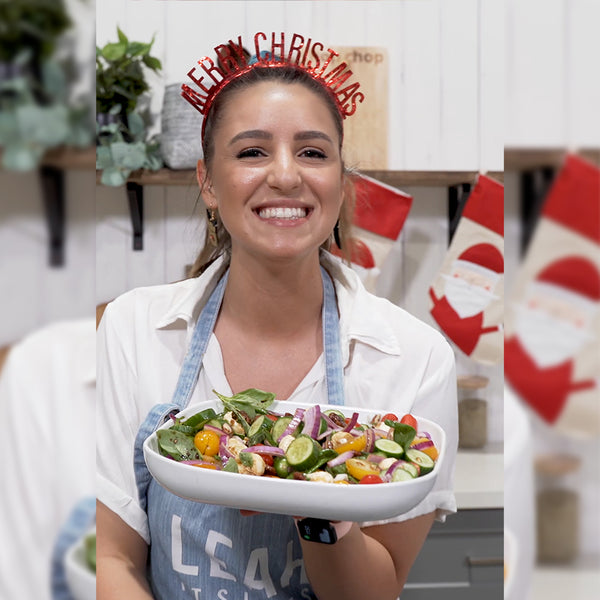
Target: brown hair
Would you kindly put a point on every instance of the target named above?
(288, 74)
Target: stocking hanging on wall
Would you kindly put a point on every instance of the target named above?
(467, 293)
(379, 216)
(553, 326)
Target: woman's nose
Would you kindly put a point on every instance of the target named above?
(284, 173)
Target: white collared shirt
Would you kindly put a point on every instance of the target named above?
(47, 397)
(392, 362)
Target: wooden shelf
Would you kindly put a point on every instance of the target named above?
(71, 158)
(471, 382)
(169, 177)
(524, 159)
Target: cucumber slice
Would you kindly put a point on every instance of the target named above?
(303, 453)
(261, 422)
(422, 460)
(412, 469)
(389, 448)
(401, 474)
(280, 426)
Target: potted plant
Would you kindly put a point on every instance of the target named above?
(36, 110)
(122, 146)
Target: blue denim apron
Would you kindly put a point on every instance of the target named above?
(79, 521)
(208, 552)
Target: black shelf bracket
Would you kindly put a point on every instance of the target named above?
(534, 187)
(457, 198)
(135, 196)
(53, 195)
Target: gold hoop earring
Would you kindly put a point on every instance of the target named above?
(213, 225)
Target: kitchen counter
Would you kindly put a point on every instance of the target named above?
(479, 477)
(580, 580)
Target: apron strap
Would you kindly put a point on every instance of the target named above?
(156, 417)
(334, 371)
(200, 338)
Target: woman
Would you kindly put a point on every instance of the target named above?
(272, 300)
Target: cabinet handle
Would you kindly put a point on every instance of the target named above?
(485, 562)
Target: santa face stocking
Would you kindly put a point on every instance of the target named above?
(553, 326)
(379, 216)
(467, 294)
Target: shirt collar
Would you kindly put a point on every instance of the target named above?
(191, 294)
(358, 320)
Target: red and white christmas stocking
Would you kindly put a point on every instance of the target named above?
(553, 326)
(379, 216)
(467, 293)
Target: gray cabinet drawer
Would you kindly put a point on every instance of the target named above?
(461, 558)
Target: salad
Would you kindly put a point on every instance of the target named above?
(308, 444)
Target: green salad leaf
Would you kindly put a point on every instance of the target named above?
(177, 445)
(403, 434)
(250, 402)
(90, 551)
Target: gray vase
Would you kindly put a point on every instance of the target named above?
(181, 130)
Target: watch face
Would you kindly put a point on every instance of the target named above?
(317, 530)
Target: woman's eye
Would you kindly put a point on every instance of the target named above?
(250, 153)
(313, 153)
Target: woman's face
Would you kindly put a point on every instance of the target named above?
(276, 175)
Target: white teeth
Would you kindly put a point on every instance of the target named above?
(282, 213)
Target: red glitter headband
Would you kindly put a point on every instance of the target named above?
(302, 53)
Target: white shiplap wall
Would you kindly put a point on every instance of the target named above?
(445, 90)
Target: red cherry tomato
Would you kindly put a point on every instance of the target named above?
(409, 420)
(389, 417)
(268, 459)
(371, 479)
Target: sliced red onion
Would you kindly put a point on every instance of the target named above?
(312, 421)
(340, 459)
(293, 424)
(330, 422)
(223, 450)
(421, 445)
(423, 434)
(395, 466)
(272, 450)
(327, 432)
(208, 427)
(352, 423)
(376, 458)
(370, 435)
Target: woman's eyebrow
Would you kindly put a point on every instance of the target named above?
(251, 133)
(309, 135)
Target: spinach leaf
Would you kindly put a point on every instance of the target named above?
(177, 445)
(403, 434)
(250, 402)
(324, 457)
(90, 551)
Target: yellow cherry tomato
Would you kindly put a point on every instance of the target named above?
(207, 442)
(358, 444)
(206, 465)
(359, 468)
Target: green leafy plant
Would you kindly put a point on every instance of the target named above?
(122, 146)
(36, 110)
(121, 73)
(32, 24)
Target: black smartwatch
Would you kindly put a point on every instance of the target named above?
(317, 530)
